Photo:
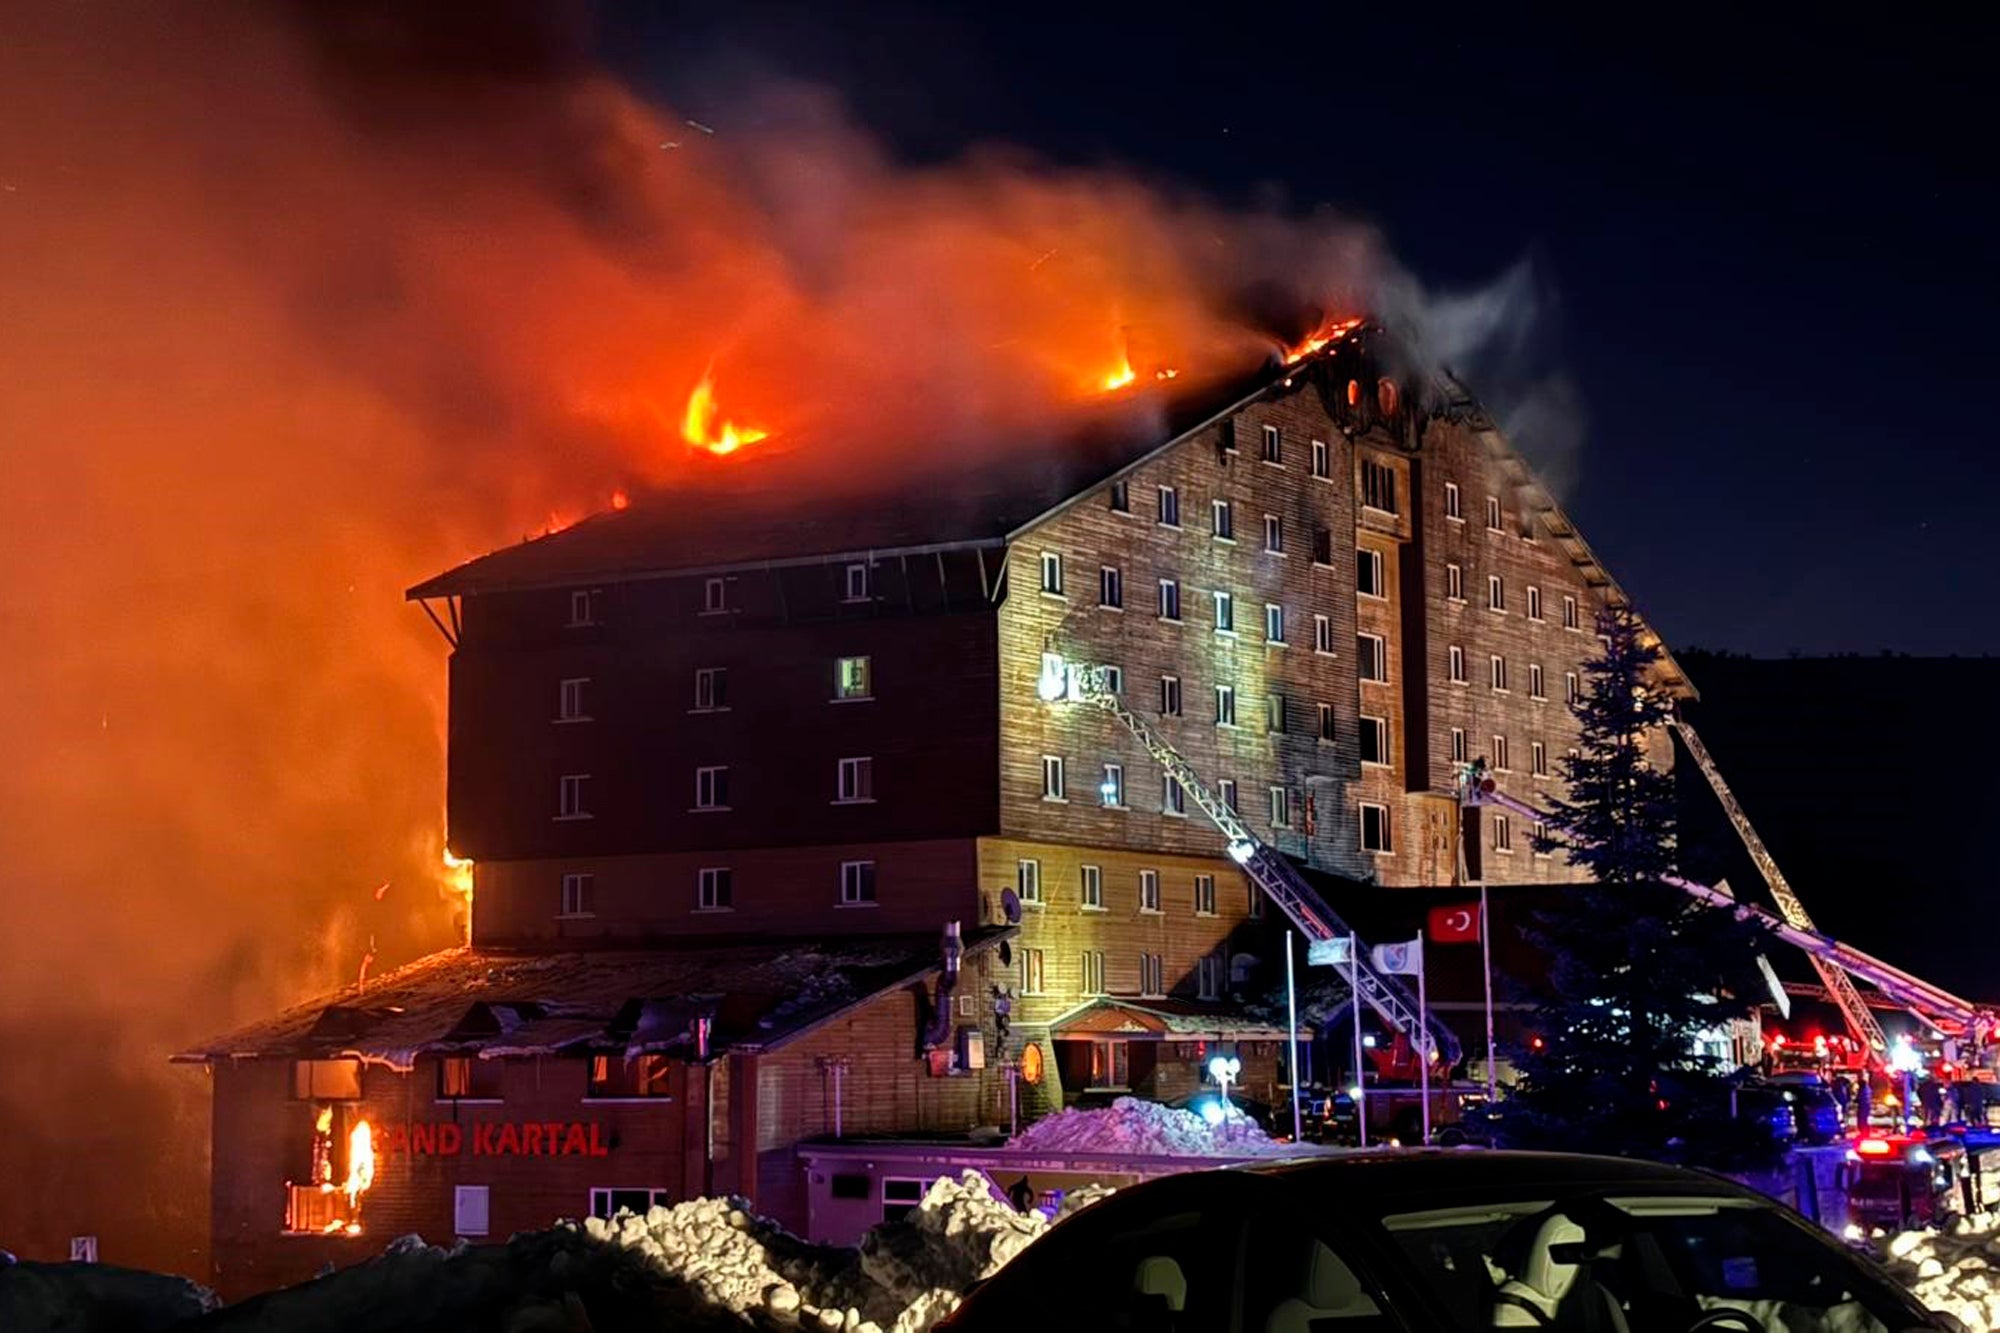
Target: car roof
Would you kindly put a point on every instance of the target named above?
(1400, 1174)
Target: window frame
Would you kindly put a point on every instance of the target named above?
(1380, 728)
(1111, 787)
(1387, 845)
(1370, 559)
(1204, 895)
(1496, 673)
(861, 791)
(576, 897)
(570, 704)
(572, 801)
(1322, 460)
(1454, 581)
(1090, 887)
(1222, 519)
(1173, 797)
(715, 596)
(1170, 694)
(1454, 507)
(866, 592)
(858, 886)
(1274, 534)
(1028, 881)
(1280, 811)
(1373, 652)
(1225, 611)
(715, 889)
(716, 777)
(867, 671)
(1323, 634)
(1329, 723)
(1225, 706)
(1170, 601)
(1169, 512)
(1496, 519)
(711, 677)
(1273, 445)
(1274, 617)
(1149, 890)
(1455, 673)
(1496, 594)
(1052, 574)
(1055, 779)
(1110, 588)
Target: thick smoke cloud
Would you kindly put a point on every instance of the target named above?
(301, 305)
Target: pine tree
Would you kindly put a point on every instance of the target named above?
(1639, 970)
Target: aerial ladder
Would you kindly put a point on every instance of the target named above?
(1938, 1007)
(1267, 868)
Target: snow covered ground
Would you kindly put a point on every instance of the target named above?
(1130, 1125)
(1956, 1270)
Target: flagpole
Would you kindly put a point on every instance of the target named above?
(1425, 1039)
(1354, 996)
(1292, 1033)
(1486, 964)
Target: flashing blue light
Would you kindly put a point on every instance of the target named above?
(1212, 1112)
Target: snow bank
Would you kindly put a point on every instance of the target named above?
(87, 1298)
(1956, 1271)
(1130, 1125)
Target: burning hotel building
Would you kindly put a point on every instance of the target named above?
(775, 840)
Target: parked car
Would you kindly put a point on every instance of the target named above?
(1815, 1110)
(1771, 1107)
(1435, 1240)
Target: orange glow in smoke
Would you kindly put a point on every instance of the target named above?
(620, 500)
(698, 425)
(458, 884)
(1326, 333)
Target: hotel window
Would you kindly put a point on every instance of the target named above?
(1170, 696)
(1053, 785)
(1256, 902)
(326, 1080)
(570, 796)
(1503, 834)
(1572, 687)
(1224, 515)
(1322, 546)
(1274, 446)
(1452, 507)
(713, 890)
(714, 596)
(1496, 593)
(1114, 679)
(1326, 732)
(1274, 623)
(606, 1202)
(857, 882)
(1110, 587)
(1501, 763)
(1170, 599)
(1378, 486)
(1274, 714)
(618, 1077)
(1493, 513)
(711, 689)
(1028, 880)
(1375, 828)
(857, 583)
(1374, 740)
(1454, 583)
(855, 781)
(1093, 972)
(1225, 613)
(1373, 650)
(1321, 459)
(1204, 895)
(1274, 534)
(1458, 745)
(569, 700)
(853, 678)
(1323, 634)
(1368, 574)
(1456, 670)
(1225, 791)
(1569, 613)
(1497, 672)
(1534, 602)
(1149, 890)
(579, 893)
(1538, 759)
(1535, 681)
(711, 788)
(1281, 807)
(1170, 507)
(1112, 789)
(467, 1078)
(1091, 888)
(1152, 975)
(1208, 977)
(1052, 583)
(1121, 498)
(582, 608)
(1225, 705)
(1033, 978)
(471, 1209)
(1173, 796)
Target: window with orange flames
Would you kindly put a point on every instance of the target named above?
(340, 1169)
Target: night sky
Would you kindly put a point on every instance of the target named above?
(1764, 250)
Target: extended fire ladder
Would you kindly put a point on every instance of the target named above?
(1267, 868)
(1935, 1005)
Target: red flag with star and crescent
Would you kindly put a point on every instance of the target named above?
(1457, 924)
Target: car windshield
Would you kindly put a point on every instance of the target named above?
(1638, 1262)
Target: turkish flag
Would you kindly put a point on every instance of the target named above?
(1455, 925)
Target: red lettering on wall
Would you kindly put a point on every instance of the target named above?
(448, 1138)
(531, 1140)
(574, 1142)
(423, 1138)
(508, 1142)
(598, 1147)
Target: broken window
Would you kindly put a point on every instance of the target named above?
(617, 1076)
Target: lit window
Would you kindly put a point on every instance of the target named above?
(1454, 582)
(1112, 790)
(1496, 593)
(1204, 895)
(1538, 758)
(464, 1077)
(1497, 672)
(1569, 613)
(1503, 834)
(1368, 574)
(1033, 978)
(1170, 599)
(1091, 887)
(711, 688)
(853, 678)
(1326, 722)
(1224, 515)
(569, 700)
(857, 882)
(1386, 397)
(1110, 587)
(1053, 788)
(1500, 760)
(855, 780)
(713, 889)
(857, 583)
(1170, 696)
(570, 790)
(1052, 578)
(1534, 602)
(1493, 513)
(711, 788)
(1225, 613)
(1322, 634)
(714, 596)
(621, 1076)
(1274, 445)
(1274, 534)
(1378, 486)
(1225, 705)
(579, 892)
(1281, 807)
(1028, 880)
(1173, 796)
(1375, 828)
(1452, 507)
(582, 608)
(1374, 740)
(1170, 507)
(1274, 623)
(1322, 463)
(1373, 652)
(1149, 890)
(1458, 745)
(1535, 681)
(1121, 498)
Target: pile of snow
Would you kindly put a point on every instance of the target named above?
(85, 1298)
(1956, 1271)
(1130, 1125)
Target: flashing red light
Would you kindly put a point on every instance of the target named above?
(1777, 1039)
(1535, 1043)
(1872, 1148)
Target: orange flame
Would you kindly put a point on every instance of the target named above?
(698, 424)
(458, 884)
(360, 1166)
(1326, 333)
(1120, 377)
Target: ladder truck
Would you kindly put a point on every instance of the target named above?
(1268, 868)
(1936, 1006)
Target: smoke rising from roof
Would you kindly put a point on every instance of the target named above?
(304, 304)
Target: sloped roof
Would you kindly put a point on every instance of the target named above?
(480, 1002)
(1167, 1019)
